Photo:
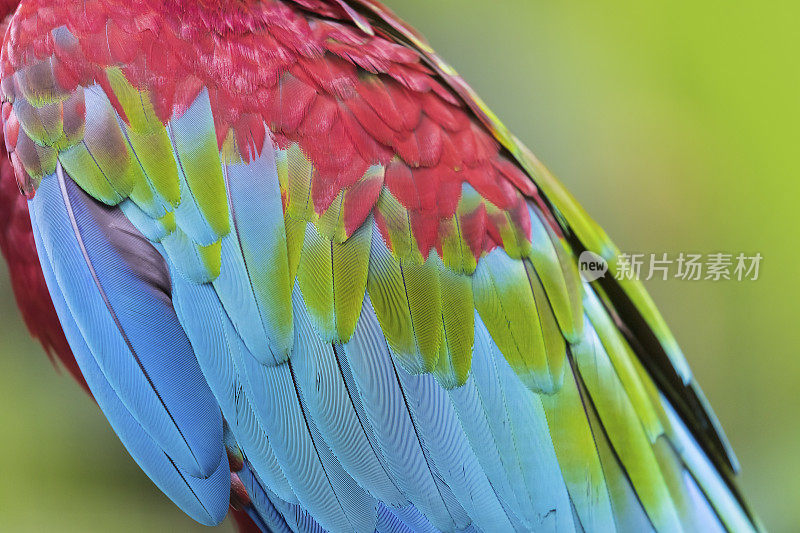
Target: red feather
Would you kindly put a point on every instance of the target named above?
(348, 94)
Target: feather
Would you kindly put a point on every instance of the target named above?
(261, 277)
(629, 514)
(193, 261)
(101, 163)
(377, 383)
(505, 424)
(577, 455)
(203, 211)
(455, 356)
(403, 519)
(264, 510)
(506, 304)
(558, 274)
(407, 301)
(706, 477)
(205, 500)
(440, 433)
(329, 403)
(106, 271)
(279, 409)
(215, 340)
(624, 431)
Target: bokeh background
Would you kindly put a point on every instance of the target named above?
(674, 123)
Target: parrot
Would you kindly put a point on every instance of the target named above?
(311, 280)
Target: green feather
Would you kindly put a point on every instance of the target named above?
(102, 164)
(137, 105)
(315, 278)
(388, 296)
(295, 238)
(558, 272)
(625, 431)
(44, 125)
(396, 220)
(155, 156)
(80, 165)
(504, 299)
(423, 294)
(623, 360)
(458, 317)
(628, 512)
(350, 270)
(298, 172)
(555, 345)
(577, 455)
(195, 142)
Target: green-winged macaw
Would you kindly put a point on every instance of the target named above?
(303, 270)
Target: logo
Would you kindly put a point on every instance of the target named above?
(591, 266)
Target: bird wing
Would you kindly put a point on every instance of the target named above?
(296, 214)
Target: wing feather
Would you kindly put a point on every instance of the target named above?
(110, 287)
(347, 254)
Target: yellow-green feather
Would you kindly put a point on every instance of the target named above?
(625, 431)
(505, 302)
(557, 269)
(577, 456)
(554, 343)
(350, 270)
(195, 143)
(458, 318)
(388, 296)
(299, 172)
(315, 278)
(623, 360)
(423, 292)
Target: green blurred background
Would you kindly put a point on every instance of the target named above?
(674, 123)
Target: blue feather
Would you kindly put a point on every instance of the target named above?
(329, 401)
(214, 339)
(112, 282)
(480, 410)
(205, 500)
(446, 444)
(517, 434)
(377, 383)
(265, 511)
(277, 403)
(402, 520)
(254, 282)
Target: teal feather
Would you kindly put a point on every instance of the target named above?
(260, 237)
(329, 403)
(452, 456)
(215, 339)
(278, 407)
(372, 370)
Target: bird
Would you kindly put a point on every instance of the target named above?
(311, 280)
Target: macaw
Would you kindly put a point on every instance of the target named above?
(307, 274)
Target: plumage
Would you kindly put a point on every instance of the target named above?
(303, 267)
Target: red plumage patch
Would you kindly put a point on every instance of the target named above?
(317, 75)
(27, 280)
